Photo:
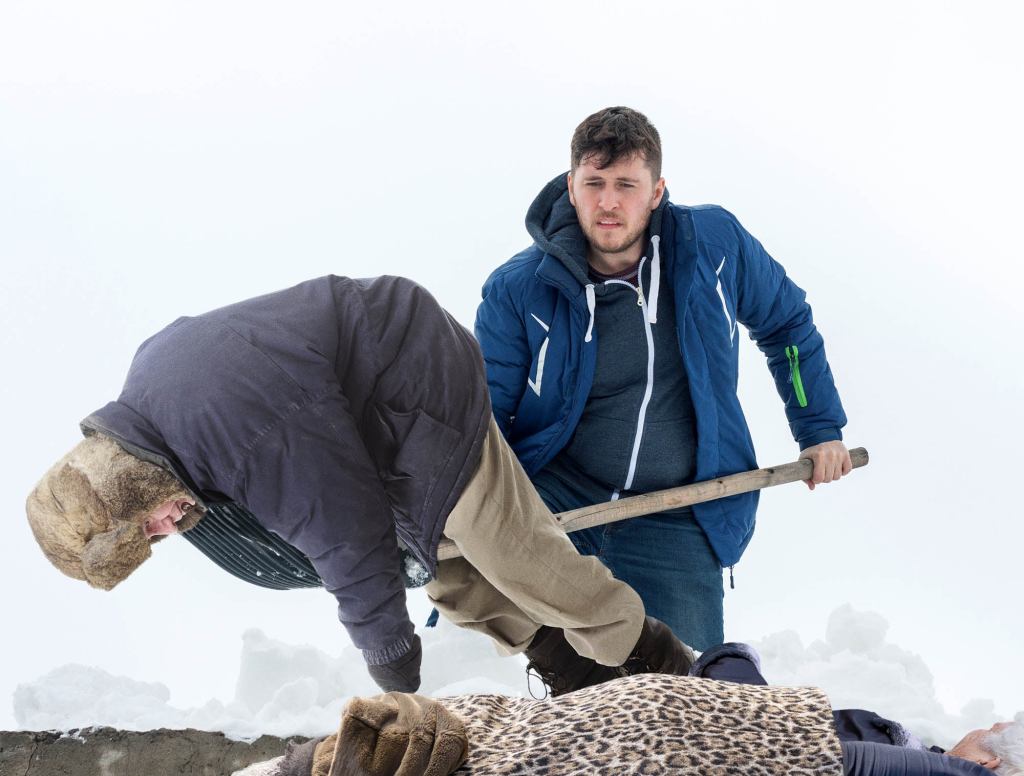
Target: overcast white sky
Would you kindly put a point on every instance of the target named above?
(160, 159)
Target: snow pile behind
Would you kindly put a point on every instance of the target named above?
(281, 690)
(858, 668)
(284, 689)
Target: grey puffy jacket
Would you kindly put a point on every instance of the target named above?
(344, 414)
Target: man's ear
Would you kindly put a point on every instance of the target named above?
(659, 192)
(572, 199)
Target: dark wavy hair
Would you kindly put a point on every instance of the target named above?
(616, 133)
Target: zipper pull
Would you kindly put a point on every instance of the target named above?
(640, 283)
(732, 580)
(793, 356)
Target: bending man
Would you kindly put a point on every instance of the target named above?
(348, 416)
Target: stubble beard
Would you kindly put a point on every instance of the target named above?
(622, 246)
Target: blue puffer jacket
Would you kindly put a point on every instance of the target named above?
(535, 327)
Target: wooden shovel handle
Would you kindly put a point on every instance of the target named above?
(674, 498)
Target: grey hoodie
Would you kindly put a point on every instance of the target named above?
(637, 431)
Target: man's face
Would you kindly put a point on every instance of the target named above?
(164, 520)
(614, 203)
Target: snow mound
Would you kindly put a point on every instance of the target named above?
(285, 689)
(858, 668)
(84, 694)
(282, 689)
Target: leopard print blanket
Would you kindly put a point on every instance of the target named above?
(653, 724)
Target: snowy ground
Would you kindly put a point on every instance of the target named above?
(286, 689)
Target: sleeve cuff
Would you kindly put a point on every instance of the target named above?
(388, 654)
(728, 649)
(823, 435)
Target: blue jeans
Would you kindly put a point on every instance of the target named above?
(667, 559)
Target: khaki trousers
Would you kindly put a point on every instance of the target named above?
(520, 571)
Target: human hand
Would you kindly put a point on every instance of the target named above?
(831, 461)
(401, 674)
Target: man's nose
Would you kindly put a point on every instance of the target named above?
(609, 199)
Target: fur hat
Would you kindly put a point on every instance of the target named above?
(87, 512)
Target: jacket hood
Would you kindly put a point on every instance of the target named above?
(552, 223)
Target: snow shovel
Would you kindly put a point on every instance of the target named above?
(232, 538)
(674, 498)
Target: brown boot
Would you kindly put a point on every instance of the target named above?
(560, 667)
(658, 651)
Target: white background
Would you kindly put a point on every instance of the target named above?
(160, 159)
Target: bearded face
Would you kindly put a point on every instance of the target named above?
(613, 205)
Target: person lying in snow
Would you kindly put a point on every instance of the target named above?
(721, 719)
(347, 416)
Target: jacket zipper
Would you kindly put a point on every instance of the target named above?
(641, 416)
(793, 355)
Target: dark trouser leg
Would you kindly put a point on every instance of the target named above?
(867, 759)
(731, 662)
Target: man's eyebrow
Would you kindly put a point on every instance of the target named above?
(597, 177)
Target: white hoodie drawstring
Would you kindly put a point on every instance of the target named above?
(591, 303)
(652, 300)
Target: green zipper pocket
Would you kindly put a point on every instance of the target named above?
(794, 374)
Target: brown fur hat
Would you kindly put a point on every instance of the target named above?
(88, 510)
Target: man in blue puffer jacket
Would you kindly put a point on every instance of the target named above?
(611, 347)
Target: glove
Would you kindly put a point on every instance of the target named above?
(401, 674)
(397, 734)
